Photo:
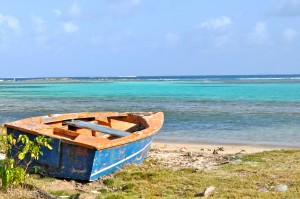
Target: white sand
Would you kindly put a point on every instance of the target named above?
(209, 148)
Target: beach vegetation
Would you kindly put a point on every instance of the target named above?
(254, 176)
(252, 158)
(245, 176)
(14, 168)
(108, 182)
(62, 193)
(113, 196)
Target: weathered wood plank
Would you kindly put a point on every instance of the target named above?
(97, 127)
(65, 132)
(121, 125)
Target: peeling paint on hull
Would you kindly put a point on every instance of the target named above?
(75, 161)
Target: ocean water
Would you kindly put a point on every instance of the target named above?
(261, 110)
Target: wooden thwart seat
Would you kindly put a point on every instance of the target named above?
(98, 128)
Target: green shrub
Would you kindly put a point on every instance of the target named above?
(109, 182)
(10, 172)
(128, 186)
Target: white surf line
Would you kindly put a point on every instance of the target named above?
(126, 158)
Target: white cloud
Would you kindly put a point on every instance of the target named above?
(287, 8)
(289, 34)
(216, 23)
(96, 39)
(40, 29)
(37, 20)
(70, 27)
(172, 38)
(222, 40)
(10, 21)
(258, 34)
(135, 2)
(116, 41)
(121, 7)
(39, 23)
(74, 10)
(13, 23)
(57, 12)
(42, 39)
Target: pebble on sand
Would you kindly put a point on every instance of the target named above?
(281, 187)
(162, 147)
(184, 149)
(209, 191)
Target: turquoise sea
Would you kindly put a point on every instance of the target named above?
(262, 110)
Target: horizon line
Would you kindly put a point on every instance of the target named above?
(156, 76)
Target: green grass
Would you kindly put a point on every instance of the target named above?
(112, 196)
(109, 182)
(64, 193)
(246, 178)
(40, 178)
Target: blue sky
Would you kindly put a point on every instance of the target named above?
(149, 37)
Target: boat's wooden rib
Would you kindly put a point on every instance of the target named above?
(65, 132)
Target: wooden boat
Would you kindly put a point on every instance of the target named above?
(87, 146)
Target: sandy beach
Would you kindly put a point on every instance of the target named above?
(207, 148)
(210, 148)
(201, 156)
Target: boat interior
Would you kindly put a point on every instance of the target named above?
(120, 124)
(94, 130)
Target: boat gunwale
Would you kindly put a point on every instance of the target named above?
(154, 121)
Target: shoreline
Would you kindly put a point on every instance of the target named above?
(164, 145)
(207, 147)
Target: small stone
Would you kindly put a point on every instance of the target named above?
(274, 176)
(201, 168)
(194, 159)
(96, 192)
(238, 161)
(183, 149)
(263, 189)
(220, 149)
(209, 191)
(281, 187)
(161, 148)
(215, 152)
(72, 182)
(176, 168)
(242, 151)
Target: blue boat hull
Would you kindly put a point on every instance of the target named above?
(76, 162)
